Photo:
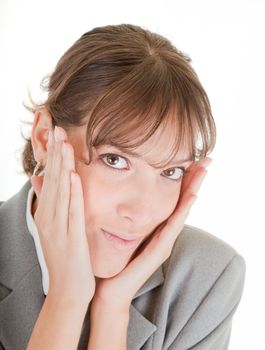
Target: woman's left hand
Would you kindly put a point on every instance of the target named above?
(118, 291)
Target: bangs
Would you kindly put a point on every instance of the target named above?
(124, 83)
(152, 96)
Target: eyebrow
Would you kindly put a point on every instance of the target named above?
(137, 155)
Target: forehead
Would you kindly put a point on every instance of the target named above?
(161, 145)
(157, 149)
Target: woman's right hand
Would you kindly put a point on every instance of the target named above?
(60, 220)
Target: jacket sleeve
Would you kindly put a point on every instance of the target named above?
(209, 327)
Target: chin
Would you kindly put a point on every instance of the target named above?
(107, 274)
(108, 270)
(107, 264)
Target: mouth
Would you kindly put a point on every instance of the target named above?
(119, 242)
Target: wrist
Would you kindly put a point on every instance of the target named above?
(99, 306)
(66, 301)
(108, 326)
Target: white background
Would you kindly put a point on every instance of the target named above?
(225, 40)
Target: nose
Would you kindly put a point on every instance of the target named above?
(138, 206)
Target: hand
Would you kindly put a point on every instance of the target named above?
(117, 292)
(60, 221)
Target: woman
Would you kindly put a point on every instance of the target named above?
(98, 256)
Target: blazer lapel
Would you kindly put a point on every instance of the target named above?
(21, 282)
(20, 309)
(20, 273)
(140, 328)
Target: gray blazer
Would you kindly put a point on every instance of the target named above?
(188, 302)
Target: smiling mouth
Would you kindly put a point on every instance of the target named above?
(120, 243)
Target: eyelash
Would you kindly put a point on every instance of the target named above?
(104, 155)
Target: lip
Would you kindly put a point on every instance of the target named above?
(120, 243)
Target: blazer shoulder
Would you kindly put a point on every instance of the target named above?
(204, 282)
(203, 253)
(199, 242)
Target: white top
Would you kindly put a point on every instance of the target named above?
(34, 232)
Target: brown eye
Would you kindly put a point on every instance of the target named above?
(110, 160)
(175, 172)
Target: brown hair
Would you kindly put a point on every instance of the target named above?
(123, 82)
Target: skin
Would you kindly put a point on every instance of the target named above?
(135, 201)
(84, 267)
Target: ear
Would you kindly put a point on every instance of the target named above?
(39, 138)
(39, 135)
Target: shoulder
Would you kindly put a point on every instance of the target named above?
(201, 262)
(199, 248)
(203, 285)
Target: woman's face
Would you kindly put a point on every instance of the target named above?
(132, 201)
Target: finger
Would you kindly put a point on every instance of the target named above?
(76, 226)
(55, 176)
(187, 198)
(194, 185)
(45, 203)
(192, 172)
(52, 177)
(63, 194)
(197, 180)
(205, 162)
(199, 173)
(177, 219)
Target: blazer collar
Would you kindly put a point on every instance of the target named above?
(20, 279)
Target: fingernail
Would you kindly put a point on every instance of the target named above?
(58, 134)
(193, 199)
(209, 161)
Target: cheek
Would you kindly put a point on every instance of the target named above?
(98, 195)
(101, 196)
(169, 202)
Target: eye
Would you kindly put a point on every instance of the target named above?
(111, 157)
(108, 159)
(177, 173)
